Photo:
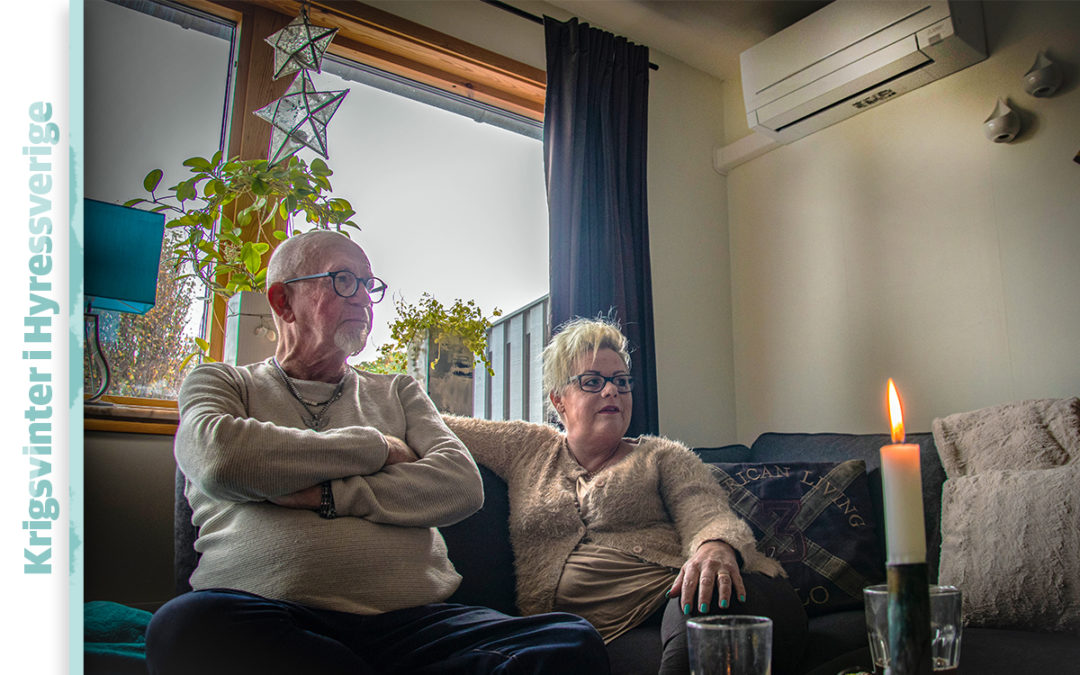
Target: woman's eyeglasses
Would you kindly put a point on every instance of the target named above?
(594, 383)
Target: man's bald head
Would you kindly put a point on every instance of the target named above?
(300, 254)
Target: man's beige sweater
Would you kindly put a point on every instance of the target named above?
(658, 503)
(241, 440)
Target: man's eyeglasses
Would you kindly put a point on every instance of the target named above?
(593, 383)
(346, 284)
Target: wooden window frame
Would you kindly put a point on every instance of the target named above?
(133, 415)
(366, 35)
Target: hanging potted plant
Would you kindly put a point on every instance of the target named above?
(440, 347)
(208, 213)
(209, 242)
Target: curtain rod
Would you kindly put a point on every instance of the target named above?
(532, 17)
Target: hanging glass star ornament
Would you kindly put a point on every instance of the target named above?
(300, 46)
(299, 118)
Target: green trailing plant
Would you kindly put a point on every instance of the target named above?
(463, 320)
(210, 246)
(389, 362)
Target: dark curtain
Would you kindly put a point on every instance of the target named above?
(595, 137)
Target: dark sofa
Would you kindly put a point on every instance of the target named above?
(480, 549)
(839, 640)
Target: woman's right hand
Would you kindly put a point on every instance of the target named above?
(713, 565)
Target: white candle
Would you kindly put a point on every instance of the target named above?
(901, 486)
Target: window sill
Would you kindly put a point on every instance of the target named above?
(156, 417)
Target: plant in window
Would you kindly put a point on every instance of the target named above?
(463, 320)
(261, 200)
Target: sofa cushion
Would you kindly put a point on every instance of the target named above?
(725, 453)
(816, 519)
(831, 634)
(826, 447)
(479, 547)
(637, 651)
(1034, 434)
(1027, 573)
(185, 557)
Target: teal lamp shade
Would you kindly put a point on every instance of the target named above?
(121, 252)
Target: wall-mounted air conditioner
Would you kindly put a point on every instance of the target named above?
(853, 55)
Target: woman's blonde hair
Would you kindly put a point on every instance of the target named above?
(574, 339)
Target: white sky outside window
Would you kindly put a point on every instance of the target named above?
(154, 96)
(446, 205)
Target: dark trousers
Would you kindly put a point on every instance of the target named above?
(230, 632)
(765, 596)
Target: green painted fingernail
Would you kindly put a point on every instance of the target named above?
(704, 608)
(723, 604)
(742, 598)
(686, 609)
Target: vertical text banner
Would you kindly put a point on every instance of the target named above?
(37, 572)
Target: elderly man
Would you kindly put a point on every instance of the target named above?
(318, 490)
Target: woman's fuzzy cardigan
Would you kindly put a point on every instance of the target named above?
(658, 503)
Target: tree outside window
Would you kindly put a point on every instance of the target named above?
(145, 351)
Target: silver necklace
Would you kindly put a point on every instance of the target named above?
(602, 464)
(315, 421)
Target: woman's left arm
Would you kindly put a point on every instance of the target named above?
(710, 531)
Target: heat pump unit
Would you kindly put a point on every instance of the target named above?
(853, 55)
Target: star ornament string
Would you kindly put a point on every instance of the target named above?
(300, 117)
(300, 46)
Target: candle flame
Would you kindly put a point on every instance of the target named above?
(896, 415)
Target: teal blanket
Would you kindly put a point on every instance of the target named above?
(114, 638)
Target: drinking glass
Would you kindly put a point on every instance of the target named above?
(945, 625)
(730, 645)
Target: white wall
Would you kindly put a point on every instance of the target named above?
(687, 215)
(901, 243)
(691, 262)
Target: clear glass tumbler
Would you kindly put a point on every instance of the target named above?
(945, 625)
(730, 645)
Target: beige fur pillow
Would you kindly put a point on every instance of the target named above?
(1036, 434)
(1011, 543)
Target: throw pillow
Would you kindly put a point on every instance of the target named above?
(1011, 544)
(1036, 434)
(817, 520)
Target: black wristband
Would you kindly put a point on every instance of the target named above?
(326, 504)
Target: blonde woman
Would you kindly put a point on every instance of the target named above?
(625, 532)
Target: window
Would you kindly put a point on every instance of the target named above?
(156, 80)
(157, 94)
(447, 205)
